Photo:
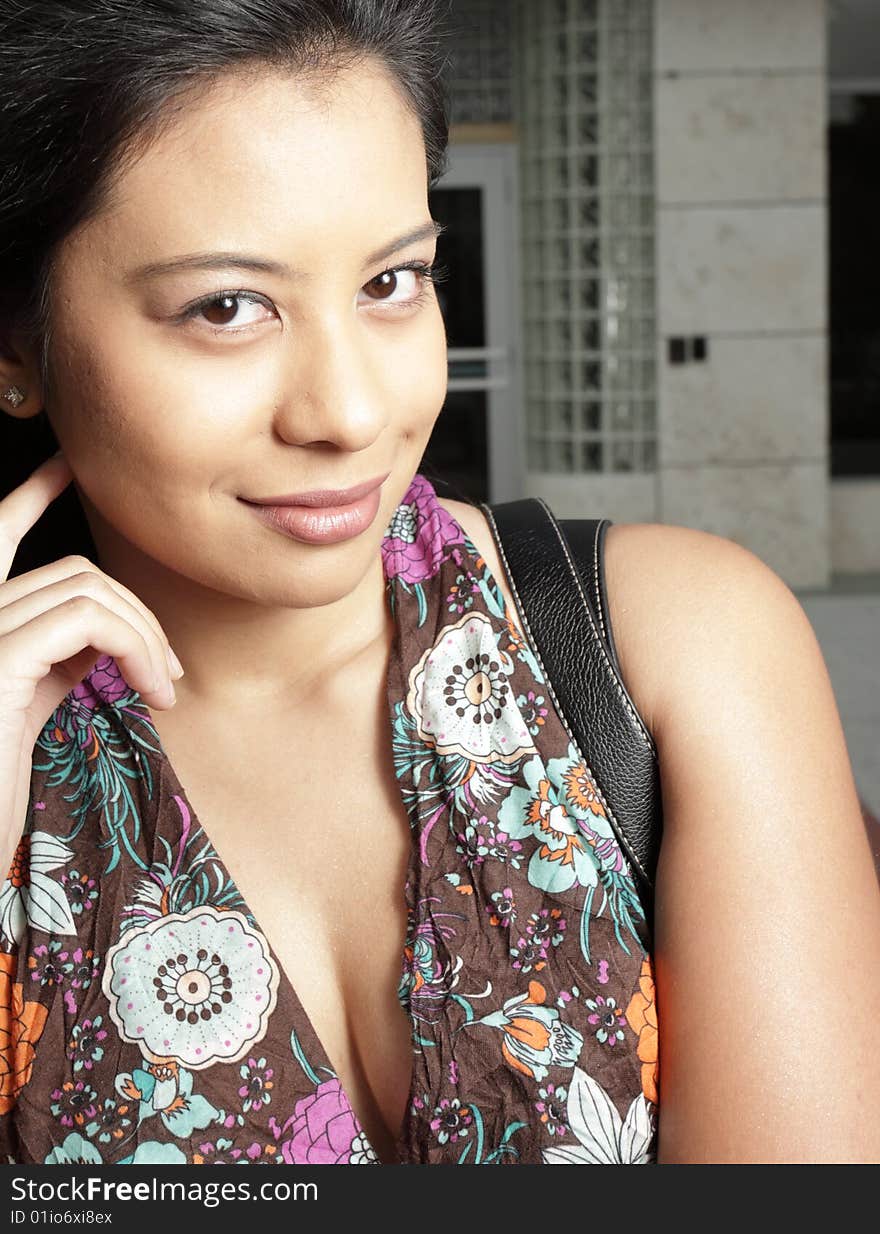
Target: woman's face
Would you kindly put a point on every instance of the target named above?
(171, 402)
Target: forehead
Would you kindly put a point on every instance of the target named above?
(267, 160)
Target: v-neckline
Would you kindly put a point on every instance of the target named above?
(284, 981)
(412, 873)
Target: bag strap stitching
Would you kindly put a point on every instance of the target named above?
(577, 578)
(618, 830)
(596, 576)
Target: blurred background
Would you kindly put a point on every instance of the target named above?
(663, 294)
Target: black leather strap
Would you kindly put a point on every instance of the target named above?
(553, 569)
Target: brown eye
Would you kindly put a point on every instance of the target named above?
(385, 283)
(222, 311)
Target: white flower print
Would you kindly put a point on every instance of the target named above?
(604, 1138)
(198, 987)
(460, 695)
(29, 895)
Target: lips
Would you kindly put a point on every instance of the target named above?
(322, 516)
(322, 498)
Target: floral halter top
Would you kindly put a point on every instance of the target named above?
(145, 1019)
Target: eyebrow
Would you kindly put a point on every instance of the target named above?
(244, 261)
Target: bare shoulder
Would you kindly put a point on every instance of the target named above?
(676, 598)
(673, 593)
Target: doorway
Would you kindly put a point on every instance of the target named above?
(476, 450)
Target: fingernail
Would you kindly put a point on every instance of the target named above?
(174, 664)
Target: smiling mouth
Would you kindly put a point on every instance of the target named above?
(322, 498)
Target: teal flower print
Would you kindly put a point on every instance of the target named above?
(84, 1046)
(461, 593)
(29, 896)
(563, 858)
(472, 846)
(527, 955)
(166, 1089)
(502, 910)
(109, 1121)
(74, 1151)
(534, 713)
(534, 1037)
(551, 1108)
(607, 1018)
(73, 1103)
(452, 1120)
(547, 926)
(47, 963)
(256, 1090)
(82, 968)
(82, 891)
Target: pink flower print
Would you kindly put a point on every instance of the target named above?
(46, 963)
(420, 535)
(472, 845)
(546, 926)
(82, 891)
(502, 910)
(552, 1108)
(528, 954)
(226, 1152)
(84, 1046)
(508, 851)
(82, 968)
(323, 1130)
(258, 1084)
(461, 594)
(534, 713)
(73, 1103)
(608, 1019)
(452, 1120)
(105, 682)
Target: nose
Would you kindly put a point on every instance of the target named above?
(334, 392)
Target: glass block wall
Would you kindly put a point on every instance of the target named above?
(479, 66)
(583, 92)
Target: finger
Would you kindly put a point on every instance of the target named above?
(25, 504)
(67, 567)
(30, 651)
(87, 584)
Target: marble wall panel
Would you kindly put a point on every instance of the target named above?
(720, 35)
(779, 512)
(736, 139)
(759, 399)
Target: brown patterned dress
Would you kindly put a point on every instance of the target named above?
(144, 1017)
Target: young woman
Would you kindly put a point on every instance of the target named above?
(353, 896)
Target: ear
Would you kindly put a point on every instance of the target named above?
(21, 394)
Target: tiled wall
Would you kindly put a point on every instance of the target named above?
(740, 93)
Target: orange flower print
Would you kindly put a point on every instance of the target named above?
(534, 1036)
(641, 1015)
(514, 639)
(581, 791)
(21, 1026)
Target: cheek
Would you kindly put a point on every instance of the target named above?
(143, 419)
(424, 379)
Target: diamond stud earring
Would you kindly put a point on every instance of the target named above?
(13, 396)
